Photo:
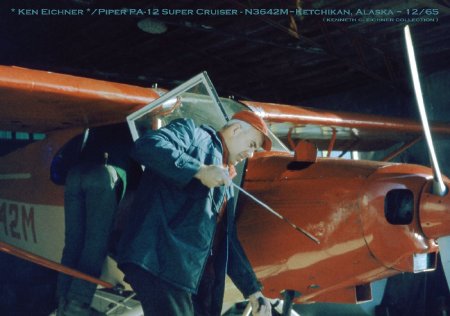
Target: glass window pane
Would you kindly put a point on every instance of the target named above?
(195, 99)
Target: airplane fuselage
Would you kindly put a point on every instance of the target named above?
(340, 202)
(357, 209)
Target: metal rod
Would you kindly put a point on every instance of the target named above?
(267, 207)
(402, 149)
(15, 251)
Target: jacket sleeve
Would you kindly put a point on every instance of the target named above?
(165, 151)
(239, 268)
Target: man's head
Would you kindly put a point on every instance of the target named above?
(243, 134)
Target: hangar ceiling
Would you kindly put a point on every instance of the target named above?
(273, 56)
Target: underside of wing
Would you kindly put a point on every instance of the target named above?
(350, 131)
(40, 101)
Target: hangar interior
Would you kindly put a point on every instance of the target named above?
(297, 52)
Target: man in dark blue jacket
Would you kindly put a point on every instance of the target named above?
(181, 238)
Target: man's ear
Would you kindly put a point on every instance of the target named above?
(236, 128)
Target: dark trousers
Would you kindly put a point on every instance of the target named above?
(157, 297)
(90, 201)
(203, 300)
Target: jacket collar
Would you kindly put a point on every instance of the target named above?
(225, 157)
(217, 138)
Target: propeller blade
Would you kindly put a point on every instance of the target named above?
(444, 252)
(438, 187)
(438, 184)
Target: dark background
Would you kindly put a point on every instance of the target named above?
(300, 60)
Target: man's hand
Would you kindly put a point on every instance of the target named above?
(213, 176)
(260, 305)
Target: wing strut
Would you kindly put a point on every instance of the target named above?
(50, 264)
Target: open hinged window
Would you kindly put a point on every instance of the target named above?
(195, 99)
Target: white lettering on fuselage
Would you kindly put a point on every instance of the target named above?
(17, 221)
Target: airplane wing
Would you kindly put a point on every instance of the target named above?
(362, 132)
(40, 101)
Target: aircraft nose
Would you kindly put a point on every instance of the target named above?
(434, 212)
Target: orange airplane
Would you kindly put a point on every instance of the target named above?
(337, 224)
(372, 219)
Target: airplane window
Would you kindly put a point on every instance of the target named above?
(195, 99)
(38, 136)
(6, 135)
(10, 141)
(22, 135)
(399, 206)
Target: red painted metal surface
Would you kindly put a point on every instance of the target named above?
(303, 115)
(435, 213)
(340, 202)
(42, 101)
(28, 171)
